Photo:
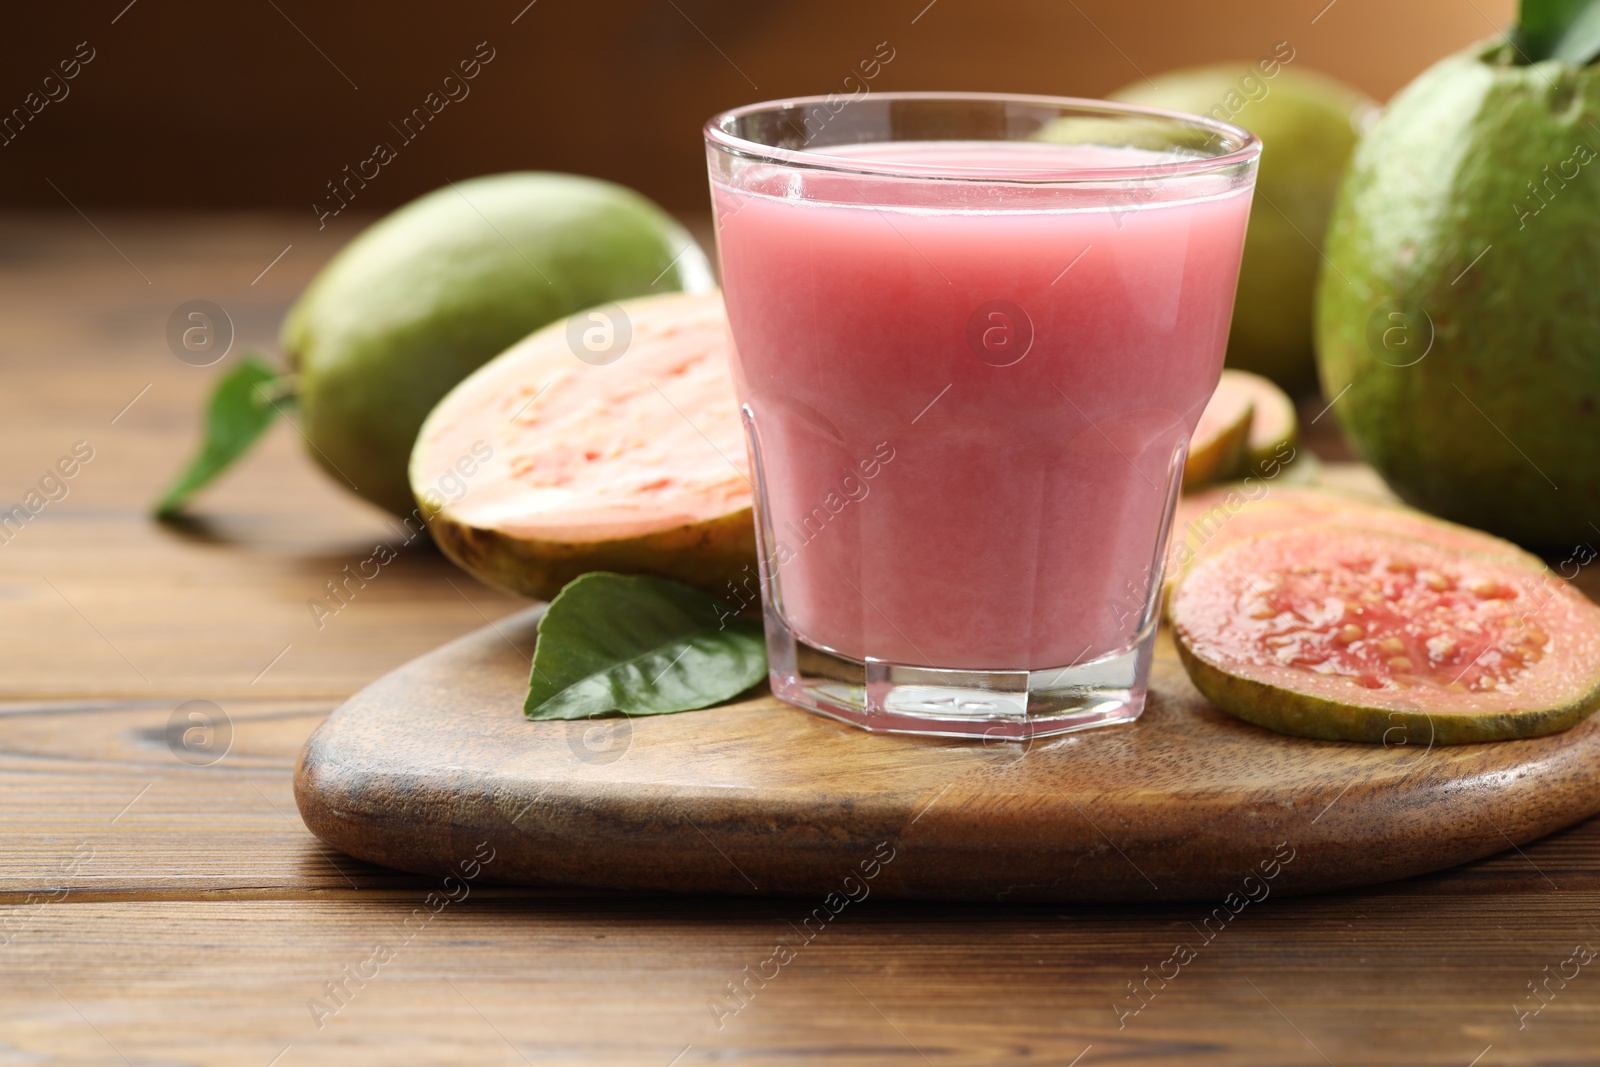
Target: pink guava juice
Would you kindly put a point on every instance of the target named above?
(969, 399)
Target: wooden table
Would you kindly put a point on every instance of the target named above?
(152, 911)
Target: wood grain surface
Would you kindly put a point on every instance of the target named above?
(1187, 803)
(154, 912)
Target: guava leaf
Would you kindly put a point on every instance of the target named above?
(639, 646)
(1568, 30)
(240, 412)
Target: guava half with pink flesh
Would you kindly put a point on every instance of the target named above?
(1360, 634)
(598, 443)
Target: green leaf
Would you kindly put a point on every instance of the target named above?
(641, 646)
(241, 409)
(1568, 30)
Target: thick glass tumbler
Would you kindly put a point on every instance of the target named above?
(974, 334)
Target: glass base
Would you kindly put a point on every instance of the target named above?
(994, 705)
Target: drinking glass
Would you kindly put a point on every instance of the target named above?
(973, 336)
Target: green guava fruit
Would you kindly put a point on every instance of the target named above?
(1457, 316)
(431, 292)
(1307, 123)
(554, 459)
(1359, 634)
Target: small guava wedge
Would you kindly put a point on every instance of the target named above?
(1344, 633)
(1274, 428)
(1217, 448)
(1248, 427)
(545, 464)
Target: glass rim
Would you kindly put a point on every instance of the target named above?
(1246, 150)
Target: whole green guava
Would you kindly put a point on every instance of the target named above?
(1458, 316)
(431, 292)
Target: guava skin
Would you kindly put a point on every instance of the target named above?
(1307, 126)
(1495, 426)
(431, 292)
(718, 556)
(1303, 715)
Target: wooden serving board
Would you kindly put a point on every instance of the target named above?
(434, 764)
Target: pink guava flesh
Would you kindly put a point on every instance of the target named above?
(1308, 630)
(556, 458)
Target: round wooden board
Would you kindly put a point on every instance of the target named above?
(427, 765)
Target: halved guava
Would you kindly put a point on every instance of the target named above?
(598, 443)
(1345, 633)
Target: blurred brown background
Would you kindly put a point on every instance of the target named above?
(259, 103)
